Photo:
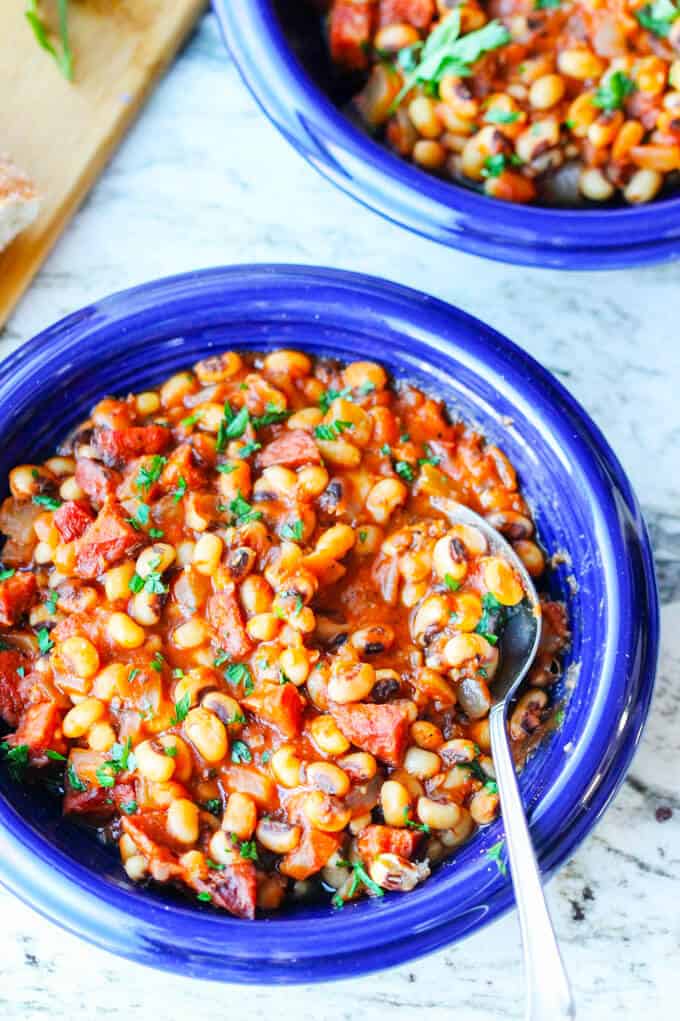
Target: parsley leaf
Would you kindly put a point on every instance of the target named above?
(547, 5)
(148, 475)
(232, 426)
(498, 116)
(240, 752)
(360, 875)
(17, 759)
(272, 416)
(129, 807)
(45, 643)
(180, 489)
(422, 826)
(327, 398)
(63, 55)
(494, 165)
(239, 673)
(404, 469)
(221, 658)
(249, 448)
(333, 430)
(55, 756)
(226, 469)
(658, 17)
(8, 572)
(51, 502)
(243, 512)
(74, 780)
(613, 92)
(451, 583)
(494, 855)
(181, 709)
(213, 805)
(51, 601)
(204, 896)
(292, 531)
(247, 848)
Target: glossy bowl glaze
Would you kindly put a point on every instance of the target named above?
(278, 49)
(583, 506)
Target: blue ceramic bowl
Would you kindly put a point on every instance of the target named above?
(583, 505)
(278, 49)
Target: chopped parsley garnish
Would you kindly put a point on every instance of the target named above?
(180, 489)
(360, 875)
(133, 673)
(129, 807)
(451, 583)
(170, 750)
(658, 17)
(214, 865)
(45, 643)
(8, 572)
(62, 55)
(191, 420)
(178, 673)
(404, 469)
(153, 583)
(136, 583)
(266, 756)
(559, 717)
(386, 450)
(497, 116)
(181, 709)
(612, 93)
(243, 512)
(239, 673)
(547, 5)
(327, 398)
(55, 756)
(366, 388)
(430, 458)
(446, 52)
(405, 437)
(422, 826)
(21, 671)
(213, 805)
(204, 896)
(51, 601)
(293, 531)
(494, 165)
(121, 761)
(16, 758)
(284, 678)
(272, 416)
(157, 662)
(221, 658)
(74, 780)
(333, 430)
(226, 469)
(141, 517)
(363, 535)
(232, 426)
(148, 475)
(493, 618)
(249, 448)
(156, 533)
(494, 855)
(240, 752)
(247, 848)
(51, 502)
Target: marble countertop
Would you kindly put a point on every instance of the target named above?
(203, 179)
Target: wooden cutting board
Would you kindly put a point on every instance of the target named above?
(63, 133)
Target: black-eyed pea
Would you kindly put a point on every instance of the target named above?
(145, 608)
(217, 368)
(605, 128)
(360, 822)
(368, 540)
(256, 594)
(79, 656)
(472, 538)
(175, 389)
(263, 627)
(136, 867)
(546, 91)
(46, 530)
(512, 524)
(643, 186)
(483, 807)
(307, 418)
(438, 815)
(327, 777)
(531, 556)
(192, 684)
(538, 139)
(70, 490)
(240, 815)
(458, 750)
(82, 716)
(238, 480)
(360, 766)
(224, 707)
(192, 634)
(311, 481)
(580, 63)
(336, 541)
(502, 581)
(412, 784)
(152, 762)
(413, 592)
(117, 581)
(466, 610)
(177, 749)
(295, 664)
(372, 641)
(207, 734)
(271, 891)
(60, 466)
(394, 37)
(289, 364)
(384, 498)
(421, 763)
(182, 821)
(147, 403)
(64, 558)
(395, 801)
(527, 714)
(286, 766)
(28, 480)
(123, 631)
(364, 374)
(449, 558)
(327, 736)
(112, 681)
(459, 833)
(458, 97)
(197, 510)
(303, 620)
(207, 553)
(360, 423)
(127, 847)
(222, 848)
(431, 616)
(324, 812)
(391, 872)
(277, 479)
(207, 416)
(430, 154)
(278, 837)
(474, 697)
(101, 737)
(195, 865)
(351, 683)
(427, 735)
(416, 566)
(340, 453)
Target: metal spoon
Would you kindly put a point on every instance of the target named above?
(548, 992)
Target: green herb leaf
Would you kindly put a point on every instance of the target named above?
(243, 512)
(333, 430)
(63, 56)
(214, 865)
(133, 673)
(74, 780)
(272, 416)
(51, 601)
(239, 673)
(498, 116)
(547, 5)
(170, 750)
(221, 658)
(240, 752)
(55, 756)
(181, 709)
(156, 533)
(16, 758)
(331, 395)
(204, 896)
(430, 458)
(136, 583)
(494, 165)
(404, 469)
(148, 475)
(129, 807)
(293, 531)
(45, 643)
(386, 450)
(51, 502)
(213, 805)
(191, 420)
(180, 489)
(612, 93)
(494, 855)
(658, 17)
(8, 572)
(363, 535)
(249, 448)
(247, 848)
(451, 583)
(422, 826)
(157, 662)
(226, 469)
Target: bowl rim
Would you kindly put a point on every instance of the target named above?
(134, 925)
(409, 197)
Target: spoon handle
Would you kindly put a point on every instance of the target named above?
(548, 993)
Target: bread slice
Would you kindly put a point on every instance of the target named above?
(19, 201)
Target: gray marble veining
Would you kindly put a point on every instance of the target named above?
(204, 179)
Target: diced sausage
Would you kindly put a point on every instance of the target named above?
(280, 705)
(98, 482)
(292, 448)
(350, 29)
(72, 518)
(225, 615)
(11, 702)
(375, 840)
(381, 730)
(184, 463)
(16, 596)
(311, 854)
(233, 888)
(418, 13)
(16, 522)
(116, 446)
(104, 542)
(36, 728)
